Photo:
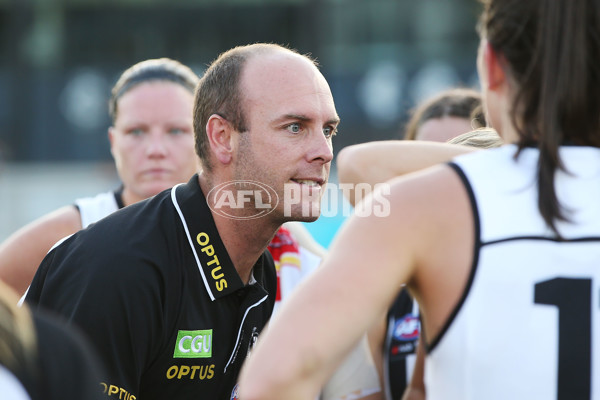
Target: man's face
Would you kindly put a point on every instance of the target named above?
(291, 119)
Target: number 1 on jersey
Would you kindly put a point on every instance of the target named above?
(573, 297)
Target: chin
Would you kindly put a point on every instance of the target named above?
(152, 190)
(305, 219)
(305, 213)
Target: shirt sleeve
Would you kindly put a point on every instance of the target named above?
(68, 367)
(114, 297)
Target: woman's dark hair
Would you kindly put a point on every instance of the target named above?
(457, 102)
(551, 51)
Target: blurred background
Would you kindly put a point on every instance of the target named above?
(59, 59)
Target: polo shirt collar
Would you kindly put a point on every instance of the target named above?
(216, 268)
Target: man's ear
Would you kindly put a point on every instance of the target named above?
(493, 64)
(111, 138)
(219, 132)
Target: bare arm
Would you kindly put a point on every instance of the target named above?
(357, 377)
(416, 387)
(378, 161)
(376, 337)
(23, 251)
(322, 307)
(369, 260)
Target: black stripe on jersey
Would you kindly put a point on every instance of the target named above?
(429, 347)
(550, 239)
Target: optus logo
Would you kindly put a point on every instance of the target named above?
(242, 199)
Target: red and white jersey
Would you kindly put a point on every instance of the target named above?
(292, 262)
(528, 324)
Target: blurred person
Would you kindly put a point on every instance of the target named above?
(356, 378)
(521, 219)
(41, 357)
(174, 290)
(152, 143)
(447, 114)
(394, 338)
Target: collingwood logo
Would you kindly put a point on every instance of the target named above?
(193, 344)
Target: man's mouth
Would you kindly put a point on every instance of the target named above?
(308, 182)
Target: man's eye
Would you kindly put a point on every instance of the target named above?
(135, 131)
(294, 128)
(175, 131)
(329, 131)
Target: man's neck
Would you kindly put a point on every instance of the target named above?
(244, 239)
(245, 242)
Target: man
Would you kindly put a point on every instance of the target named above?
(173, 291)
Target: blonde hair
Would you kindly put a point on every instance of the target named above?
(483, 138)
(18, 347)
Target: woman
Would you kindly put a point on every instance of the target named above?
(394, 338)
(152, 143)
(499, 247)
(446, 115)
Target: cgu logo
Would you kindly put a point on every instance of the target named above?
(407, 328)
(193, 344)
(255, 198)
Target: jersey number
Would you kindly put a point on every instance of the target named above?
(573, 297)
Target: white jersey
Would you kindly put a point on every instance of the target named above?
(528, 323)
(12, 388)
(95, 208)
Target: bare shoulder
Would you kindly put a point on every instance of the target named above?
(438, 221)
(428, 204)
(50, 227)
(64, 221)
(24, 250)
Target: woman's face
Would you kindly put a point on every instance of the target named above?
(443, 129)
(152, 139)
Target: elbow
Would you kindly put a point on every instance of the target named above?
(348, 167)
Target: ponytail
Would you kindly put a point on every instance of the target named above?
(552, 50)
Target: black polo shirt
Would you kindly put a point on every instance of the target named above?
(156, 292)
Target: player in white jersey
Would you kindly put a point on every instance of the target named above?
(394, 340)
(450, 114)
(501, 248)
(152, 142)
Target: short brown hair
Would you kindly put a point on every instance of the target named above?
(219, 92)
